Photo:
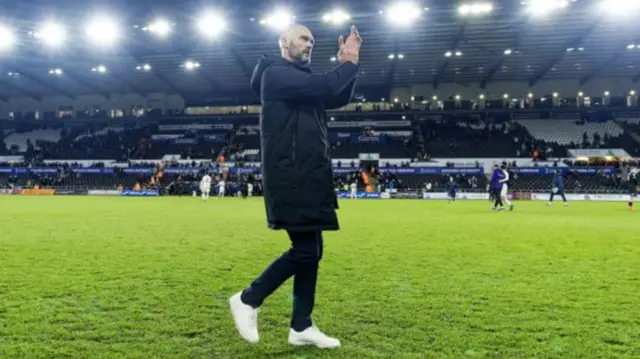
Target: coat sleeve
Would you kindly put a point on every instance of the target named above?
(284, 83)
(343, 97)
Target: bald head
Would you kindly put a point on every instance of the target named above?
(296, 43)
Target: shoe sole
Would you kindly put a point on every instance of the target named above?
(305, 343)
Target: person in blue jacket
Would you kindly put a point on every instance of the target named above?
(557, 188)
(497, 181)
(452, 189)
(297, 179)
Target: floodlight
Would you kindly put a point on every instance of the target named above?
(278, 20)
(403, 14)
(543, 7)
(191, 65)
(391, 56)
(159, 27)
(6, 38)
(336, 17)
(447, 54)
(211, 24)
(631, 46)
(102, 31)
(57, 72)
(476, 9)
(100, 68)
(145, 67)
(401, 56)
(51, 34)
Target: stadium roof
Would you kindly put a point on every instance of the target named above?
(579, 41)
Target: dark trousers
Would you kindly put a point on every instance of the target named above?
(301, 262)
(497, 198)
(560, 193)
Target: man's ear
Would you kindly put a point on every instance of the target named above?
(283, 42)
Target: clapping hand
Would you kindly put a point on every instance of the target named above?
(349, 49)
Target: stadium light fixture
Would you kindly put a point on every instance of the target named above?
(144, 67)
(403, 14)
(57, 72)
(159, 27)
(544, 7)
(102, 31)
(476, 9)
(278, 19)
(211, 24)
(51, 34)
(7, 38)
(99, 69)
(336, 17)
(191, 65)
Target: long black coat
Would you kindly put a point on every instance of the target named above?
(297, 177)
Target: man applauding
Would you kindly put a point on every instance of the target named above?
(298, 185)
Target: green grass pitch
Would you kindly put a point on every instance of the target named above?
(90, 277)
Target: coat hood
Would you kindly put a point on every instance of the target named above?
(266, 61)
(256, 79)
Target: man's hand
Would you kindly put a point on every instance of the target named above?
(349, 49)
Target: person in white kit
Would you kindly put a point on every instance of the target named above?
(221, 188)
(504, 193)
(205, 186)
(354, 191)
(249, 189)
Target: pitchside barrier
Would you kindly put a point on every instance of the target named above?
(524, 196)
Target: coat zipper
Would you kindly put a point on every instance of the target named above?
(293, 149)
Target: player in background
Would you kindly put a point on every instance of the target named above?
(250, 189)
(557, 188)
(504, 193)
(496, 186)
(221, 188)
(452, 189)
(205, 186)
(354, 190)
(633, 188)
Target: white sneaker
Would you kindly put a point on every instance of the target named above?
(246, 319)
(312, 336)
